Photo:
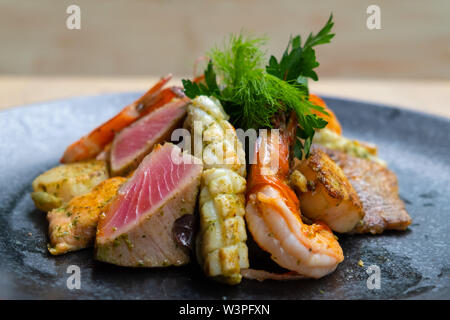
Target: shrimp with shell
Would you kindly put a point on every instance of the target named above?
(91, 145)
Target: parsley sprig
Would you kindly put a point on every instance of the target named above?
(209, 88)
(252, 94)
(298, 62)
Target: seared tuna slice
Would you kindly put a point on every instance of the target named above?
(137, 227)
(133, 143)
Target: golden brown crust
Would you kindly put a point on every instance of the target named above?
(377, 188)
(329, 175)
(72, 226)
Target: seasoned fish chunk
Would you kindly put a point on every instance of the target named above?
(377, 188)
(72, 226)
(60, 184)
(330, 196)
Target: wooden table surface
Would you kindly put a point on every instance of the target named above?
(427, 96)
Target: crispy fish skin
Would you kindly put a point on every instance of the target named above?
(377, 188)
(72, 227)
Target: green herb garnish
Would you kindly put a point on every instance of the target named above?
(209, 88)
(252, 94)
(298, 62)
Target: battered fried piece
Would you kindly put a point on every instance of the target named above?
(330, 196)
(377, 188)
(72, 227)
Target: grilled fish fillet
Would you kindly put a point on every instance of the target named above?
(72, 226)
(377, 189)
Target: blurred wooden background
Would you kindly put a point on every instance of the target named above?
(125, 45)
(153, 37)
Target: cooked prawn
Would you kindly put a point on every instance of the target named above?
(273, 215)
(90, 146)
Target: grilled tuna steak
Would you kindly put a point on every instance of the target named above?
(133, 143)
(137, 227)
(377, 189)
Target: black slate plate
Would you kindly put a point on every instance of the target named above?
(413, 264)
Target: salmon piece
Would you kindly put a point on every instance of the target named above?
(377, 189)
(133, 143)
(72, 226)
(137, 227)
